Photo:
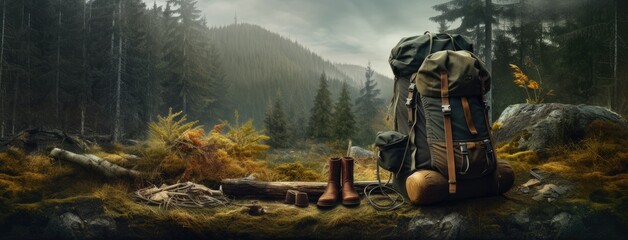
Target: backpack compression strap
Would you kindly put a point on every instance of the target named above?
(411, 104)
(449, 142)
(467, 115)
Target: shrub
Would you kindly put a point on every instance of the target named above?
(198, 156)
(167, 129)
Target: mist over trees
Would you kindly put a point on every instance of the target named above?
(319, 126)
(343, 124)
(276, 124)
(103, 66)
(367, 106)
(261, 64)
(575, 47)
(108, 67)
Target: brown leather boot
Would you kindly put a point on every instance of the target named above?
(330, 196)
(349, 196)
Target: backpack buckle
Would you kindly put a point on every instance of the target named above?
(410, 102)
(464, 150)
(446, 109)
(410, 98)
(489, 147)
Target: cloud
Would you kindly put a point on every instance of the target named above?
(348, 31)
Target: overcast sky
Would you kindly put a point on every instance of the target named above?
(346, 31)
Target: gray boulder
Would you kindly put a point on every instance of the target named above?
(538, 126)
(358, 152)
(439, 226)
(81, 219)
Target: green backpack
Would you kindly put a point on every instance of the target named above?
(451, 87)
(405, 59)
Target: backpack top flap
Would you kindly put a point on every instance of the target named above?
(406, 57)
(467, 74)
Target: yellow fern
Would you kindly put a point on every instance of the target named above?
(247, 140)
(167, 129)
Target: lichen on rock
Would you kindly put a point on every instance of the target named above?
(537, 127)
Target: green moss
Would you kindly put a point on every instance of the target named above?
(591, 165)
(297, 172)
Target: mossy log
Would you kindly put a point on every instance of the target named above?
(245, 188)
(95, 163)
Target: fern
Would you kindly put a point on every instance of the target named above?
(227, 151)
(169, 128)
(247, 141)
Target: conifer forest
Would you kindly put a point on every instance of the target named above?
(109, 67)
(105, 103)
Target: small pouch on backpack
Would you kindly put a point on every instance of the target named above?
(473, 159)
(392, 149)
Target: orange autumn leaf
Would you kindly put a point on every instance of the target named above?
(533, 85)
(520, 78)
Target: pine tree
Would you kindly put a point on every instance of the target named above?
(366, 107)
(318, 127)
(136, 68)
(4, 12)
(154, 43)
(218, 108)
(475, 17)
(277, 125)
(187, 86)
(343, 122)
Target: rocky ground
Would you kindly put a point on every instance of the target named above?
(513, 216)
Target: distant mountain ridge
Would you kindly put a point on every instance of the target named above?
(261, 65)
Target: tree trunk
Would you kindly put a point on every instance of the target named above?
(16, 89)
(57, 82)
(84, 71)
(113, 33)
(488, 51)
(615, 105)
(29, 114)
(82, 119)
(521, 46)
(243, 188)
(4, 8)
(95, 163)
(117, 129)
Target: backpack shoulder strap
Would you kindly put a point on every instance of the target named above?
(449, 143)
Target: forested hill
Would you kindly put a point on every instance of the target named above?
(108, 67)
(385, 84)
(261, 65)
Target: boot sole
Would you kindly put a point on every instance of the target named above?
(326, 204)
(351, 203)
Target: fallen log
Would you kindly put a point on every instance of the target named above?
(37, 139)
(95, 163)
(245, 188)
